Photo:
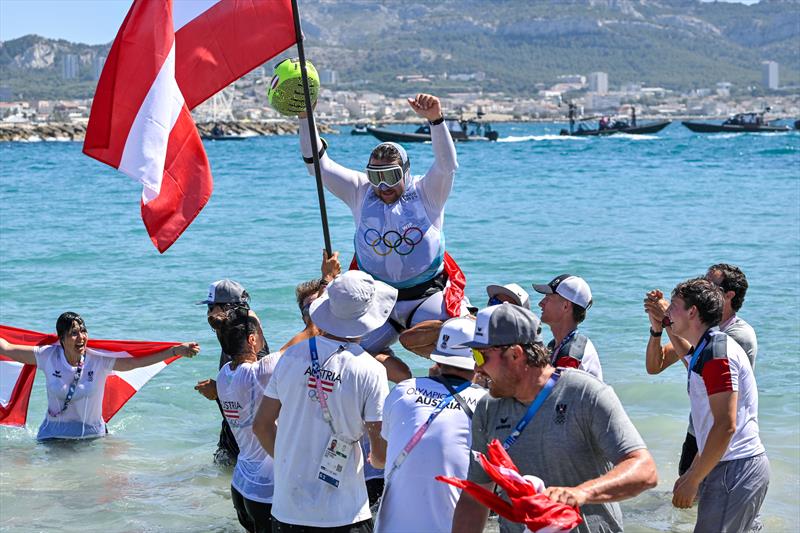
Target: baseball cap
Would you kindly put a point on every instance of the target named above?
(450, 348)
(513, 291)
(226, 291)
(506, 324)
(573, 288)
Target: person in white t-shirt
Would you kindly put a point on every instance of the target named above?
(76, 377)
(564, 306)
(427, 407)
(730, 474)
(733, 283)
(239, 388)
(327, 392)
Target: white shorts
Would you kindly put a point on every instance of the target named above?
(406, 314)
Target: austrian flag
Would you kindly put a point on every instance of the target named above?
(16, 379)
(165, 61)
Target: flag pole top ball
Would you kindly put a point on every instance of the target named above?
(285, 91)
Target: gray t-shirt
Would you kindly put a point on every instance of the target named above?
(578, 434)
(745, 336)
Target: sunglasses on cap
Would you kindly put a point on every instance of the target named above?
(389, 175)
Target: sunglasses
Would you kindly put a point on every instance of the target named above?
(494, 300)
(481, 357)
(228, 306)
(389, 175)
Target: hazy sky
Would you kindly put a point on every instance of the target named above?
(85, 21)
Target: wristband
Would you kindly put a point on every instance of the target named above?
(656, 333)
(310, 160)
(323, 282)
(437, 121)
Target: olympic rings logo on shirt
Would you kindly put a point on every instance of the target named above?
(393, 241)
(313, 395)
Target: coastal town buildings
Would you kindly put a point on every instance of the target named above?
(770, 75)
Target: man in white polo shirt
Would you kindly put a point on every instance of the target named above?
(730, 474)
(733, 283)
(328, 391)
(426, 423)
(564, 306)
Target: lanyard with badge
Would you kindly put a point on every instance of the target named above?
(537, 403)
(412, 443)
(338, 449)
(561, 345)
(700, 347)
(414, 440)
(72, 387)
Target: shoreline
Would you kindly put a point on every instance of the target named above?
(76, 131)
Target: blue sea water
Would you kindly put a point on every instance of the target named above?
(626, 213)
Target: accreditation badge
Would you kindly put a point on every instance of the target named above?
(334, 458)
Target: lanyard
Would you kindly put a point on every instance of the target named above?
(456, 395)
(72, 387)
(537, 403)
(561, 345)
(315, 371)
(695, 355)
(412, 443)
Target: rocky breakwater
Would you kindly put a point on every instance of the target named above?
(29, 132)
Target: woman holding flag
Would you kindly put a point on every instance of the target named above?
(76, 374)
(399, 224)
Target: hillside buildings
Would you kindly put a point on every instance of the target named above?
(70, 66)
(770, 75)
(598, 83)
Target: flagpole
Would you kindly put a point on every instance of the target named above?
(312, 130)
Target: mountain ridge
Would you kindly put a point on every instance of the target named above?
(680, 44)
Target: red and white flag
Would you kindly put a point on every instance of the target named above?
(164, 62)
(16, 379)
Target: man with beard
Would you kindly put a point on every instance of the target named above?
(581, 442)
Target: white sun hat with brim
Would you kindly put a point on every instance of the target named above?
(513, 291)
(354, 304)
(450, 349)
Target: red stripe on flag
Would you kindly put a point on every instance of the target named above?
(185, 187)
(136, 57)
(227, 41)
(117, 393)
(15, 413)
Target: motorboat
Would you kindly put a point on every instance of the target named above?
(618, 126)
(219, 133)
(608, 126)
(461, 130)
(359, 129)
(738, 123)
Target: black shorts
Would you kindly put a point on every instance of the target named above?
(374, 490)
(687, 454)
(255, 517)
(358, 527)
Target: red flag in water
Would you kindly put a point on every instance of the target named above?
(162, 64)
(16, 379)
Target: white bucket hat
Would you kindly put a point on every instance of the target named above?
(513, 291)
(450, 349)
(353, 305)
